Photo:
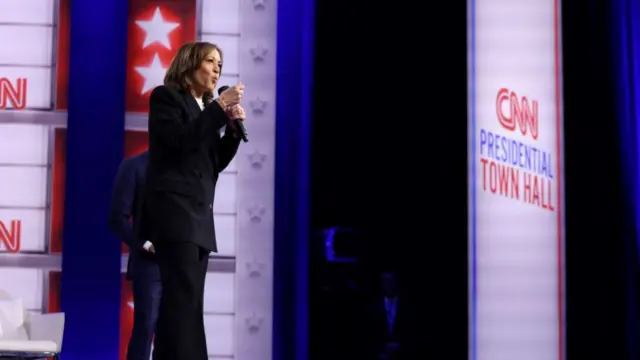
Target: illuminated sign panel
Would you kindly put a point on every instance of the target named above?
(38, 53)
(25, 88)
(24, 144)
(513, 111)
(28, 12)
(26, 73)
(23, 187)
(22, 230)
(13, 94)
(10, 235)
(27, 284)
(516, 243)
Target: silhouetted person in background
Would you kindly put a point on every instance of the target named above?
(388, 321)
(142, 268)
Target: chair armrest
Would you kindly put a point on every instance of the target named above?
(42, 327)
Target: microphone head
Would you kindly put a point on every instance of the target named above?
(222, 88)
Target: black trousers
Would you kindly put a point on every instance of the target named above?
(180, 333)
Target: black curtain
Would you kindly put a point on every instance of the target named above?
(390, 153)
(596, 226)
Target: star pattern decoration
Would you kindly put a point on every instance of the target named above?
(157, 29)
(256, 212)
(258, 53)
(254, 323)
(255, 268)
(257, 159)
(153, 74)
(258, 106)
(259, 4)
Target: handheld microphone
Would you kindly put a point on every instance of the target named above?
(239, 124)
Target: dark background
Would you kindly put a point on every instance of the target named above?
(597, 223)
(390, 157)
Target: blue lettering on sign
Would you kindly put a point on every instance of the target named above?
(516, 153)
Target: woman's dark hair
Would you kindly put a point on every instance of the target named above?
(186, 61)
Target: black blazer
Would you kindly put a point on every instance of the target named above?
(186, 154)
(124, 212)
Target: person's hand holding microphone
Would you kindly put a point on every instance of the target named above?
(231, 97)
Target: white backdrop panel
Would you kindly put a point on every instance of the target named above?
(225, 201)
(219, 330)
(38, 84)
(221, 16)
(257, 51)
(515, 298)
(219, 293)
(226, 234)
(27, 284)
(23, 186)
(32, 229)
(38, 52)
(27, 11)
(24, 144)
(229, 45)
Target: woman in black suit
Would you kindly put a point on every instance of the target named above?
(186, 154)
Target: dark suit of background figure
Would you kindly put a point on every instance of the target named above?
(186, 154)
(389, 323)
(142, 268)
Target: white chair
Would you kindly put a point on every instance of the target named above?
(28, 336)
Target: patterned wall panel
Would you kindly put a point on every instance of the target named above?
(257, 64)
(246, 32)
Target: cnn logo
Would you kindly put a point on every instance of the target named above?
(513, 110)
(11, 235)
(13, 96)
